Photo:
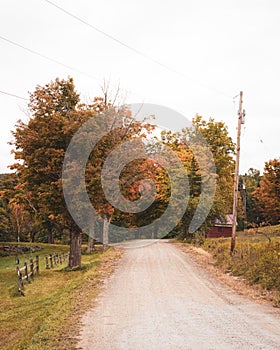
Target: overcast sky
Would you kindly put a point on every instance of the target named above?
(218, 47)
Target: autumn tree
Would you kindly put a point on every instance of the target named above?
(40, 146)
(122, 127)
(18, 221)
(267, 196)
(248, 184)
(222, 148)
(40, 149)
(197, 141)
(7, 185)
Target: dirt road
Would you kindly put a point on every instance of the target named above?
(158, 298)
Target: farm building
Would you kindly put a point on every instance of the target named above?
(221, 228)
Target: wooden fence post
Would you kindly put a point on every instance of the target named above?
(26, 270)
(20, 281)
(31, 268)
(47, 263)
(37, 264)
(34, 267)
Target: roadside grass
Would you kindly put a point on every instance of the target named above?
(256, 257)
(46, 316)
(264, 233)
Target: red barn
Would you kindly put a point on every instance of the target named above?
(221, 228)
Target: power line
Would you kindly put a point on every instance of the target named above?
(12, 95)
(133, 49)
(47, 58)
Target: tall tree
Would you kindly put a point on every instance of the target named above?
(40, 146)
(8, 182)
(249, 182)
(121, 127)
(267, 196)
(222, 148)
(210, 136)
(197, 141)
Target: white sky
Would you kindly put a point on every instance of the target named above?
(227, 45)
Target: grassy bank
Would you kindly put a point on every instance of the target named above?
(256, 257)
(46, 316)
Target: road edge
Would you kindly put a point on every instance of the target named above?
(238, 284)
(86, 296)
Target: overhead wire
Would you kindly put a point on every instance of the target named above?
(13, 95)
(47, 58)
(135, 50)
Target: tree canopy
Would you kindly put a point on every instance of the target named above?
(267, 195)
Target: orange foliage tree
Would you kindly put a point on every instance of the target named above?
(267, 196)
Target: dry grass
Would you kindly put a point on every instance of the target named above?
(236, 283)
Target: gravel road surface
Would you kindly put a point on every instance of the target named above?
(158, 298)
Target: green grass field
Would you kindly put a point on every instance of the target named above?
(44, 316)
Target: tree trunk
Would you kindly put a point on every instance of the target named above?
(185, 226)
(50, 237)
(50, 233)
(18, 227)
(32, 237)
(155, 232)
(106, 223)
(75, 249)
(90, 244)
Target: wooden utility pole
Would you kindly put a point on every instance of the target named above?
(236, 174)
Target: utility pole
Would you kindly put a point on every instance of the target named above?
(244, 198)
(241, 115)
